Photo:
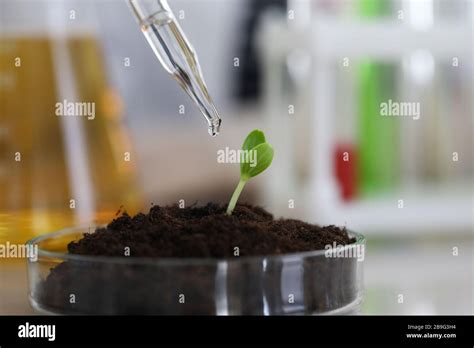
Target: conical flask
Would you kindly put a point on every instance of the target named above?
(65, 154)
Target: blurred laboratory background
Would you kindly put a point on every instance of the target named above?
(311, 73)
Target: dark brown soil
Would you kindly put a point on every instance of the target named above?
(251, 286)
(206, 232)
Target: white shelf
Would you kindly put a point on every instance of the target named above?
(387, 39)
(427, 213)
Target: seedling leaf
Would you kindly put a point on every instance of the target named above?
(264, 157)
(255, 147)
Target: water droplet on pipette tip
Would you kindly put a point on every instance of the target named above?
(214, 128)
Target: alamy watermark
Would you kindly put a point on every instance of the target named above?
(400, 109)
(68, 108)
(335, 250)
(20, 251)
(228, 155)
(28, 330)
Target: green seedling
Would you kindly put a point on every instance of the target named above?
(254, 144)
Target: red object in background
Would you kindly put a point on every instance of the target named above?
(345, 168)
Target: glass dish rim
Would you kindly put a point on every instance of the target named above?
(154, 261)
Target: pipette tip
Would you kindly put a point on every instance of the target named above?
(214, 127)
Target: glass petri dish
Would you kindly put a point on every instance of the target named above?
(306, 283)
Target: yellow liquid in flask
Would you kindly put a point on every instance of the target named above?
(59, 169)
